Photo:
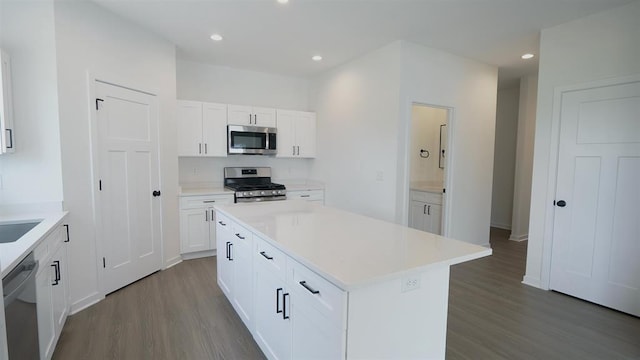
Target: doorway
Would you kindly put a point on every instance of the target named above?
(128, 208)
(428, 156)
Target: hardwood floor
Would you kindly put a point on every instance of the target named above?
(181, 313)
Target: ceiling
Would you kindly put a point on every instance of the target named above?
(266, 36)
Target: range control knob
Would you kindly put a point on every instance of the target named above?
(261, 192)
(251, 193)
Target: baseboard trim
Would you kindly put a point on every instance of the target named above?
(531, 281)
(519, 238)
(501, 226)
(199, 254)
(172, 262)
(85, 302)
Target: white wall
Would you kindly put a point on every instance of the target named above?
(91, 39)
(600, 46)
(504, 158)
(33, 173)
(524, 158)
(210, 83)
(469, 88)
(425, 134)
(204, 82)
(365, 109)
(357, 107)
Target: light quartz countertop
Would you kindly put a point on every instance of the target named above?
(348, 249)
(12, 253)
(426, 186)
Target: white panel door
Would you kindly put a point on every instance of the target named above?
(214, 129)
(596, 238)
(189, 128)
(129, 173)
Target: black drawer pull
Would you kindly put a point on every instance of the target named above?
(311, 290)
(67, 226)
(284, 306)
(278, 290)
(238, 235)
(305, 196)
(266, 256)
(221, 223)
(230, 252)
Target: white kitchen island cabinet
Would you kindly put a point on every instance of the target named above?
(329, 284)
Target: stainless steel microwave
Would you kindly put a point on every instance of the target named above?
(252, 140)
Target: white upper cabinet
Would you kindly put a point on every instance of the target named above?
(296, 134)
(7, 137)
(251, 116)
(202, 129)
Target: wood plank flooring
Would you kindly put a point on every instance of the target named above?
(181, 313)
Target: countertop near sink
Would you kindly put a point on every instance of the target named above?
(12, 253)
(427, 186)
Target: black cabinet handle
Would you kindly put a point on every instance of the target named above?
(240, 237)
(424, 209)
(305, 196)
(284, 306)
(429, 210)
(67, 226)
(206, 216)
(230, 252)
(199, 148)
(10, 131)
(205, 148)
(221, 223)
(266, 256)
(278, 290)
(311, 290)
(56, 267)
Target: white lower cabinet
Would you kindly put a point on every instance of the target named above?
(426, 212)
(198, 224)
(272, 317)
(235, 270)
(308, 195)
(52, 289)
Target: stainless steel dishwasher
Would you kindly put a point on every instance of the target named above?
(21, 315)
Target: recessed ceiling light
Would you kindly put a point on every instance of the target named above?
(316, 58)
(527, 56)
(216, 37)
(283, 1)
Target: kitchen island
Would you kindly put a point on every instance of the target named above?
(311, 281)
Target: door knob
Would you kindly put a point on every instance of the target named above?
(156, 193)
(561, 203)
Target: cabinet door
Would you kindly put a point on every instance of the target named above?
(434, 215)
(243, 279)
(305, 129)
(189, 128)
(60, 289)
(194, 230)
(214, 129)
(272, 330)
(239, 115)
(286, 135)
(418, 217)
(46, 323)
(224, 264)
(312, 336)
(264, 117)
(7, 136)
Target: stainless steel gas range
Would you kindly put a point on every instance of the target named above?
(253, 184)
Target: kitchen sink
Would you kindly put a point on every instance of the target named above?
(14, 231)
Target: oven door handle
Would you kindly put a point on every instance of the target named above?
(13, 294)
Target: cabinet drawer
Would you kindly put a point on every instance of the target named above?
(428, 197)
(193, 202)
(270, 257)
(48, 245)
(241, 234)
(315, 293)
(223, 222)
(309, 195)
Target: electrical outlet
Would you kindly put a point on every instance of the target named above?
(410, 283)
